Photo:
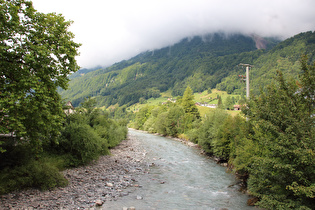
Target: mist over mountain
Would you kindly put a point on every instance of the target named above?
(206, 62)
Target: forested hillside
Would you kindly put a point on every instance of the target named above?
(199, 62)
(284, 57)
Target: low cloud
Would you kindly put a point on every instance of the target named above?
(111, 31)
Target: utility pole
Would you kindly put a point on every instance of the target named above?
(247, 78)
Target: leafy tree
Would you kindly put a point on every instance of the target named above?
(142, 116)
(88, 105)
(209, 129)
(229, 103)
(282, 171)
(175, 121)
(142, 100)
(229, 134)
(37, 53)
(161, 124)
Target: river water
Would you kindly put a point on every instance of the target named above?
(181, 178)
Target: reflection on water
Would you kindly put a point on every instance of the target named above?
(181, 178)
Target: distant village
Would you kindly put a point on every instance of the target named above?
(236, 107)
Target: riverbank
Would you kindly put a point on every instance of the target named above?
(106, 179)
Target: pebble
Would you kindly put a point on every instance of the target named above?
(109, 184)
(139, 197)
(98, 202)
(117, 172)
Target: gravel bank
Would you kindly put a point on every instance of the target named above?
(107, 179)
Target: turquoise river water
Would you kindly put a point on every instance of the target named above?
(181, 178)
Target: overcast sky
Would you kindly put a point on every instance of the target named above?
(113, 30)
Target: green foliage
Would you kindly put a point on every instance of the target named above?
(88, 133)
(37, 53)
(228, 104)
(42, 174)
(200, 63)
(187, 102)
(170, 119)
(220, 104)
(155, 123)
(209, 129)
(282, 173)
(272, 145)
(117, 133)
(142, 116)
(81, 142)
(283, 57)
(230, 134)
(174, 121)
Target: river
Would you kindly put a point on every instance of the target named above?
(181, 178)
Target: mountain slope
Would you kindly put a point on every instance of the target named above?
(284, 57)
(200, 62)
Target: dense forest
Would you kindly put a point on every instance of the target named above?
(199, 62)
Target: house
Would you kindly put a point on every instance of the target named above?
(69, 108)
(213, 106)
(237, 107)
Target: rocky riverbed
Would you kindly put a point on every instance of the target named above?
(108, 179)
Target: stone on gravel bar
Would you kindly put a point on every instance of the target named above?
(108, 184)
(98, 202)
(107, 178)
(139, 197)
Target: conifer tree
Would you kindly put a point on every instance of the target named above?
(220, 104)
(188, 103)
(282, 173)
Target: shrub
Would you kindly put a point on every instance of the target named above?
(81, 142)
(116, 134)
(36, 173)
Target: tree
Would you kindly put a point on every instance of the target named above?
(175, 120)
(37, 54)
(220, 104)
(209, 129)
(282, 170)
(142, 116)
(229, 102)
(188, 103)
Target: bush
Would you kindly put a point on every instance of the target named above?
(36, 173)
(116, 134)
(193, 135)
(82, 143)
